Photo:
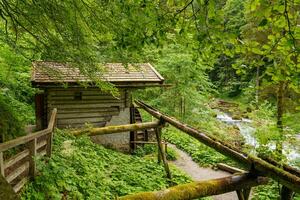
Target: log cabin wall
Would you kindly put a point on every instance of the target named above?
(77, 107)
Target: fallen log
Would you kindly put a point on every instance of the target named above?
(201, 188)
(116, 129)
(255, 164)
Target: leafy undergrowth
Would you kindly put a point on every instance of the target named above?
(203, 155)
(80, 169)
(150, 151)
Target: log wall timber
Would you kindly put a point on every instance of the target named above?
(199, 189)
(78, 106)
(255, 164)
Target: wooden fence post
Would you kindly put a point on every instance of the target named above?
(49, 144)
(161, 152)
(32, 155)
(1, 164)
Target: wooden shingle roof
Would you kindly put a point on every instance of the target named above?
(53, 72)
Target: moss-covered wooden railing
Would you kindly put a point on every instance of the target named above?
(288, 176)
(19, 168)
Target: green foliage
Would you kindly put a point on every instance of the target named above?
(16, 94)
(80, 169)
(151, 149)
(266, 192)
(200, 153)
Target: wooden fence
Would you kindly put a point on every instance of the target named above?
(21, 167)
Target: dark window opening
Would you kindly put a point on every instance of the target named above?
(78, 96)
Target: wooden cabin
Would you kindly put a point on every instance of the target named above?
(80, 106)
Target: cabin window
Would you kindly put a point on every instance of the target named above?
(78, 96)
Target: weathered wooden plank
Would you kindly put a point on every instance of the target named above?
(82, 120)
(20, 184)
(98, 105)
(86, 115)
(16, 158)
(42, 153)
(81, 125)
(41, 144)
(17, 172)
(81, 102)
(199, 189)
(71, 91)
(84, 97)
(49, 144)
(21, 140)
(89, 110)
(230, 169)
(32, 154)
(1, 164)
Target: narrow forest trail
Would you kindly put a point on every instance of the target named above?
(186, 164)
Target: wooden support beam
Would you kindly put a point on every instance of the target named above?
(199, 189)
(257, 165)
(229, 169)
(32, 164)
(1, 164)
(49, 144)
(162, 154)
(116, 129)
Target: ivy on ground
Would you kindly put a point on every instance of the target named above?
(80, 169)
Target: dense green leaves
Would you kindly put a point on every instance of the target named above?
(80, 169)
(16, 94)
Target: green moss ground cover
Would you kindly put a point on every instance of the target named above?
(80, 169)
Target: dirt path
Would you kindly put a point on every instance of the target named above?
(185, 163)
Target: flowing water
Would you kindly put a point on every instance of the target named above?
(291, 151)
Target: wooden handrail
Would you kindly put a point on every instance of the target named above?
(203, 188)
(24, 139)
(117, 129)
